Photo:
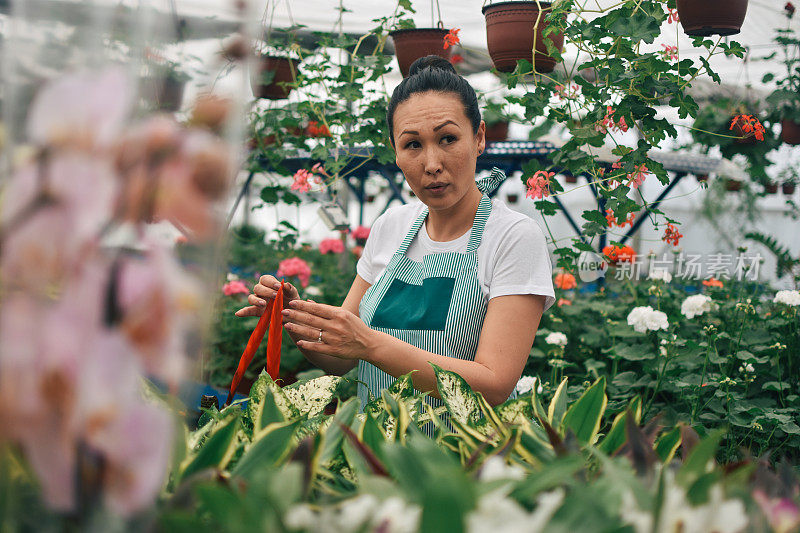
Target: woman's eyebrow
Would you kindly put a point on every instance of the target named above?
(437, 128)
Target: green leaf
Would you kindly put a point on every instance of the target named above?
(558, 405)
(457, 396)
(702, 453)
(333, 436)
(667, 444)
(218, 448)
(263, 387)
(515, 411)
(268, 448)
(585, 415)
(311, 397)
(616, 436)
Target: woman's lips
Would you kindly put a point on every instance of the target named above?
(437, 188)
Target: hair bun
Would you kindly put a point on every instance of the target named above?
(431, 61)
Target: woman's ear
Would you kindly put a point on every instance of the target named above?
(480, 136)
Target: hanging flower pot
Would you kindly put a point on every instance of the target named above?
(709, 17)
(497, 132)
(569, 178)
(790, 132)
(283, 69)
(771, 187)
(702, 177)
(510, 35)
(166, 93)
(512, 198)
(788, 188)
(413, 43)
(733, 185)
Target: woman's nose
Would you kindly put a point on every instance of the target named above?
(432, 161)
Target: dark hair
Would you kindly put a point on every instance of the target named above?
(434, 73)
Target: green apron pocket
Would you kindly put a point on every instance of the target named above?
(415, 307)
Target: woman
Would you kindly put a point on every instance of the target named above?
(458, 280)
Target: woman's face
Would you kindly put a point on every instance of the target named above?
(436, 149)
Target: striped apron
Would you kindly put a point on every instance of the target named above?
(436, 305)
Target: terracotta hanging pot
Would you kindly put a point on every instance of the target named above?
(771, 188)
(709, 17)
(512, 198)
(284, 69)
(788, 188)
(497, 132)
(413, 43)
(569, 178)
(733, 185)
(510, 35)
(166, 93)
(790, 132)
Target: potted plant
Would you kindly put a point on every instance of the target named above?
(788, 187)
(771, 187)
(496, 122)
(514, 29)
(785, 99)
(273, 77)
(411, 43)
(709, 17)
(163, 85)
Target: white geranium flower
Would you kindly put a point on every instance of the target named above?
(527, 383)
(300, 516)
(496, 468)
(556, 338)
(396, 516)
(696, 305)
(748, 367)
(788, 298)
(677, 514)
(660, 274)
(644, 318)
(497, 512)
(313, 290)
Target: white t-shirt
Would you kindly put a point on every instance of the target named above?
(512, 256)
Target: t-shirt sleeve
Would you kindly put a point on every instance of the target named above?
(522, 263)
(365, 267)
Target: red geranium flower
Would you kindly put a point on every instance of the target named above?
(616, 254)
(565, 281)
(315, 129)
(671, 235)
(712, 282)
(456, 59)
(539, 184)
(749, 126)
(789, 8)
(452, 38)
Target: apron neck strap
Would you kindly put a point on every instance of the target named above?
(481, 216)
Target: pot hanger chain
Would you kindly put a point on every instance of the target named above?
(440, 25)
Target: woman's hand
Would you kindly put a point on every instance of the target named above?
(344, 334)
(266, 289)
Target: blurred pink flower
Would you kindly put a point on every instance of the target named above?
(335, 246)
(782, 514)
(235, 287)
(669, 52)
(85, 110)
(638, 175)
(361, 233)
(159, 301)
(539, 184)
(294, 266)
(301, 178)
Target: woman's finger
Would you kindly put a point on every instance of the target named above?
(321, 310)
(299, 317)
(250, 311)
(265, 292)
(306, 332)
(252, 299)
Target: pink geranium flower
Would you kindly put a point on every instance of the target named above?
(335, 246)
(294, 266)
(301, 178)
(636, 177)
(539, 184)
(235, 287)
(361, 233)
